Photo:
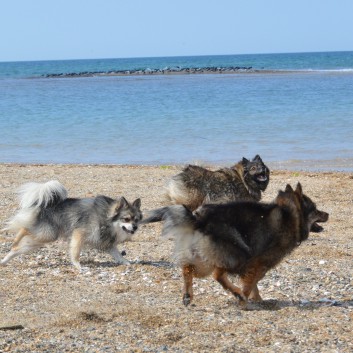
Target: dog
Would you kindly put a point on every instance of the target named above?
(245, 181)
(46, 214)
(196, 185)
(244, 238)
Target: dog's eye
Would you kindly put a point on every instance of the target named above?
(253, 169)
(127, 219)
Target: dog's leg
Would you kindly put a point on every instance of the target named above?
(188, 272)
(250, 279)
(119, 259)
(14, 248)
(255, 295)
(220, 275)
(19, 236)
(24, 244)
(76, 244)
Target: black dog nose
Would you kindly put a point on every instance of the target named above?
(134, 227)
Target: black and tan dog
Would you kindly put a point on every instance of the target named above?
(196, 185)
(242, 238)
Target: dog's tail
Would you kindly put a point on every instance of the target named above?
(176, 219)
(41, 195)
(175, 190)
(33, 197)
(156, 215)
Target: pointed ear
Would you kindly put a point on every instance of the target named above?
(283, 199)
(137, 203)
(121, 203)
(116, 207)
(289, 189)
(244, 161)
(257, 158)
(299, 189)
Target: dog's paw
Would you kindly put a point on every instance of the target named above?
(244, 304)
(77, 266)
(123, 262)
(186, 299)
(3, 262)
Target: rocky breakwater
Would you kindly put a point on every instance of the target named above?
(148, 71)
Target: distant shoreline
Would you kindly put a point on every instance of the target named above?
(148, 71)
(189, 71)
(344, 167)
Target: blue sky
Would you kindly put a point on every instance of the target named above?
(79, 29)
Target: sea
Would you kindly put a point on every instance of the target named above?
(294, 110)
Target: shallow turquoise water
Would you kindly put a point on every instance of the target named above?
(300, 119)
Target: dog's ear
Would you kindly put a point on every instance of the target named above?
(244, 161)
(257, 158)
(121, 203)
(117, 206)
(289, 189)
(282, 198)
(299, 190)
(286, 198)
(137, 203)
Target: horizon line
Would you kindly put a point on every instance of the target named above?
(178, 56)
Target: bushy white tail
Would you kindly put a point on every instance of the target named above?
(33, 197)
(41, 195)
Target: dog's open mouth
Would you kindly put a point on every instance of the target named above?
(316, 228)
(261, 177)
(323, 217)
(130, 231)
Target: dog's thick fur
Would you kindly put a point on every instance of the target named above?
(241, 238)
(196, 185)
(47, 214)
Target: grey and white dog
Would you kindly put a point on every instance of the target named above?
(47, 214)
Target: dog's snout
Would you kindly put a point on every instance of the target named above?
(324, 216)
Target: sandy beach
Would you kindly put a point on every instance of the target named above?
(47, 306)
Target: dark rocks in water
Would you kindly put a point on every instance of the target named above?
(148, 71)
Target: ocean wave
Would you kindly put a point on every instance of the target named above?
(325, 70)
(322, 165)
